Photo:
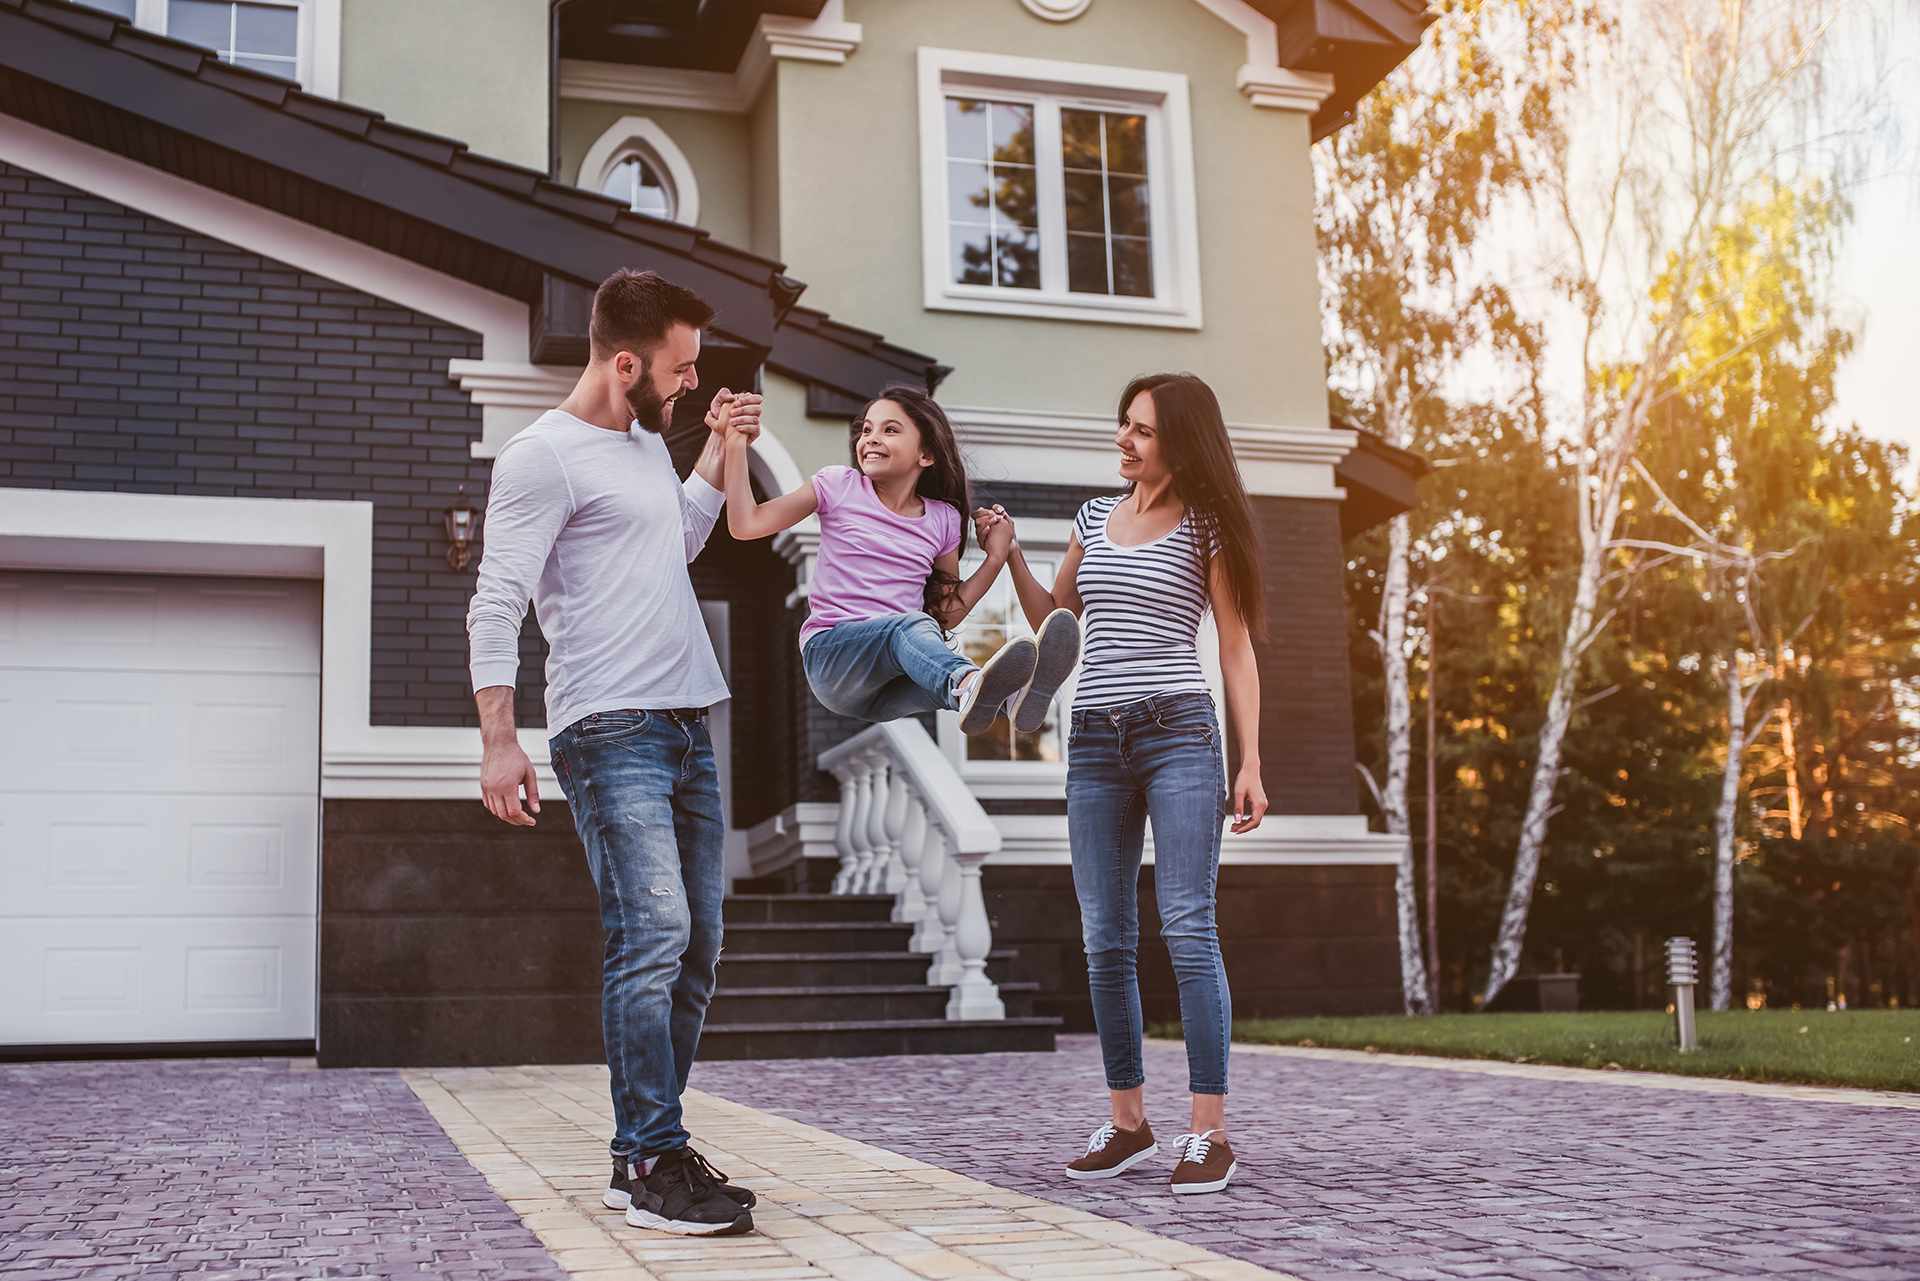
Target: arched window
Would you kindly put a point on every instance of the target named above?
(636, 162)
(641, 185)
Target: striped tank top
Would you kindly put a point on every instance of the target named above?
(1143, 610)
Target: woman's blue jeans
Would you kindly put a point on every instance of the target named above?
(646, 801)
(880, 669)
(1158, 759)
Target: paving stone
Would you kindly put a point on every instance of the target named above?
(241, 1170)
(1368, 1168)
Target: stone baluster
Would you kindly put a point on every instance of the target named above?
(893, 876)
(930, 935)
(858, 851)
(843, 829)
(946, 969)
(909, 904)
(873, 871)
(974, 995)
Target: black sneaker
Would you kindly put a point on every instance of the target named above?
(679, 1196)
(619, 1193)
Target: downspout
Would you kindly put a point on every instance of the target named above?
(553, 88)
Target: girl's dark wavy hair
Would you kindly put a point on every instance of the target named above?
(1193, 439)
(946, 480)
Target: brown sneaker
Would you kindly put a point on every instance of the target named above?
(1112, 1151)
(1205, 1165)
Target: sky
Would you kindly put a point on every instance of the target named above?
(1877, 284)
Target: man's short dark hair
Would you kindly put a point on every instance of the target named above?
(634, 311)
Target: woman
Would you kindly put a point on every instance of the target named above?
(1143, 568)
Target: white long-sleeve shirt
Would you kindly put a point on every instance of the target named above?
(596, 529)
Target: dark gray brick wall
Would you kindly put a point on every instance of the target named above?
(1306, 712)
(1039, 502)
(141, 357)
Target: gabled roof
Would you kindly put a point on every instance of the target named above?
(176, 107)
(1357, 41)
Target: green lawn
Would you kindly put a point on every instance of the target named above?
(1878, 1049)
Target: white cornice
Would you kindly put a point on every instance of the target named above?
(1263, 80)
(827, 39)
(1297, 840)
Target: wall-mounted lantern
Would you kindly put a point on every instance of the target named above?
(463, 522)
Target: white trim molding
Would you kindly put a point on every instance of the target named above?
(828, 39)
(637, 135)
(1304, 840)
(283, 537)
(1175, 220)
(1263, 80)
(1053, 447)
(1056, 10)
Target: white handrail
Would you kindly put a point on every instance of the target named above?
(909, 826)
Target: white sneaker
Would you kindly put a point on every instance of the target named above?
(1058, 648)
(1004, 675)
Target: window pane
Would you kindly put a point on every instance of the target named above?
(967, 197)
(640, 185)
(966, 129)
(1016, 200)
(972, 260)
(1087, 264)
(1080, 138)
(1019, 259)
(1013, 133)
(1127, 206)
(266, 28)
(203, 22)
(1084, 210)
(993, 622)
(118, 8)
(1127, 144)
(1132, 267)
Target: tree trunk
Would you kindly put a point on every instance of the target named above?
(1720, 988)
(1393, 798)
(1433, 815)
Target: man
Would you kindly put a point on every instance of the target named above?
(588, 520)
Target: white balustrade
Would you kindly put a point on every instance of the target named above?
(910, 827)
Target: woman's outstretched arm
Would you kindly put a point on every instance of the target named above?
(1036, 602)
(959, 602)
(747, 518)
(1242, 678)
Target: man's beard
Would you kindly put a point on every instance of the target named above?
(650, 409)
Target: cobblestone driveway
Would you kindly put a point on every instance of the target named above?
(240, 1170)
(1368, 1169)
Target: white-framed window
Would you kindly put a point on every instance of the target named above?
(993, 622)
(1057, 189)
(636, 161)
(297, 40)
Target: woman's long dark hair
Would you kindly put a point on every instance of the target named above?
(1193, 439)
(946, 480)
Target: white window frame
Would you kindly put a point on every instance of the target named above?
(639, 136)
(1162, 95)
(317, 55)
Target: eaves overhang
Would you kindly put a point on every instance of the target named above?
(1380, 480)
(1357, 42)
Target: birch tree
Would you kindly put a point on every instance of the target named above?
(1405, 192)
(1668, 120)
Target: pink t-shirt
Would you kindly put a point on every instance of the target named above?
(873, 562)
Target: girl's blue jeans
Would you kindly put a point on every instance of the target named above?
(880, 669)
(646, 801)
(1158, 759)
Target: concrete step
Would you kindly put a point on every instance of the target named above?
(817, 969)
(862, 1002)
(816, 937)
(870, 1037)
(746, 909)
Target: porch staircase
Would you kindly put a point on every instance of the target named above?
(810, 976)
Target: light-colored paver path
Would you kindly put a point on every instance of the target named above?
(830, 1206)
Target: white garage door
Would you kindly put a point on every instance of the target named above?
(159, 808)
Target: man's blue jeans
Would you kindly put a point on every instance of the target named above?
(1156, 759)
(880, 669)
(646, 801)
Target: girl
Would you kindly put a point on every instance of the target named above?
(887, 583)
(1144, 568)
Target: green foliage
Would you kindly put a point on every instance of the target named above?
(1875, 1049)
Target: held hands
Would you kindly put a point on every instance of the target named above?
(1249, 799)
(993, 530)
(734, 414)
